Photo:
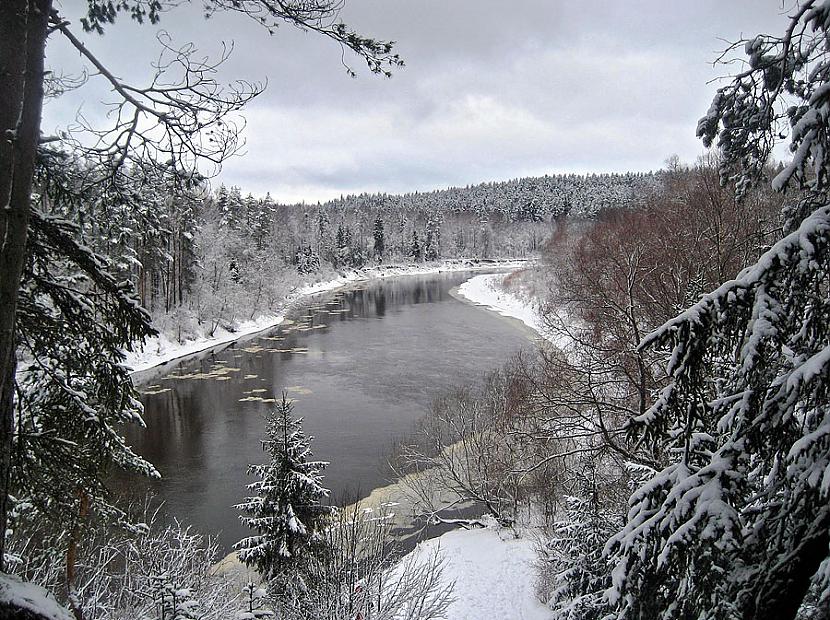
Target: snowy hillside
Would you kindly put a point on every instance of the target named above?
(493, 574)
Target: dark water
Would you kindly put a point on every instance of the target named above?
(362, 365)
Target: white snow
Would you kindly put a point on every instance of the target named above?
(493, 573)
(485, 290)
(32, 598)
(161, 349)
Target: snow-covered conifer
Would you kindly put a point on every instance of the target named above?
(253, 597)
(73, 394)
(737, 523)
(379, 248)
(172, 601)
(414, 251)
(432, 240)
(286, 507)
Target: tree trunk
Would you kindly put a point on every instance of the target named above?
(23, 32)
(72, 553)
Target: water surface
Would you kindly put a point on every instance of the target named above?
(362, 366)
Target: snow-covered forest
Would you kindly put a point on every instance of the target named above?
(201, 259)
(666, 441)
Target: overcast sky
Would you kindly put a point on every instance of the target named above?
(492, 90)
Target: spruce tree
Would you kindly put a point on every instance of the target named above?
(737, 523)
(415, 247)
(73, 392)
(432, 243)
(380, 245)
(285, 507)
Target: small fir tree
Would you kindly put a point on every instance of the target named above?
(253, 597)
(171, 601)
(285, 507)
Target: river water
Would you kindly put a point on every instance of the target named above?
(362, 366)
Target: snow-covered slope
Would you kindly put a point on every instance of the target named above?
(484, 290)
(17, 596)
(493, 574)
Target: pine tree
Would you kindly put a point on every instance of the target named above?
(285, 508)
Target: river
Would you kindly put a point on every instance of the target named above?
(362, 365)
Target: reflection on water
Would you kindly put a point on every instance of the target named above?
(361, 365)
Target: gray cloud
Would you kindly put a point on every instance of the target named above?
(492, 90)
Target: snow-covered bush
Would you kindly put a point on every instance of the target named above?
(165, 572)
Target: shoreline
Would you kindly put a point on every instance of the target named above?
(481, 290)
(485, 292)
(161, 350)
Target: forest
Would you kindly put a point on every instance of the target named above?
(196, 258)
(667, 438)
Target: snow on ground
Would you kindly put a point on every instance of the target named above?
(161, 349)
(493, 573)
(20, 595)
(485, 290)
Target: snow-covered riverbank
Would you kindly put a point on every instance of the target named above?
(162, 348)
(485, 290)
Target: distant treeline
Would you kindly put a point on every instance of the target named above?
(201, 258)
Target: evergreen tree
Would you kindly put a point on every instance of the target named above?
(323, 234)
(737, 523)
(260, 215)
(379, 248)
(74, 394)
(172, 601)
(341, 251)
(232, 209)
(307, 260)
(415, 247)
(340, 239)
(285, 508)
(432, 242)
